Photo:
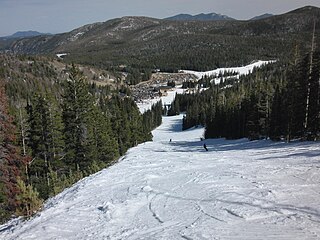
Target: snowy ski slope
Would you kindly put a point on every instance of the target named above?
(245, 70)
(177, 190)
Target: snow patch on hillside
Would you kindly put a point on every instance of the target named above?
(145, 105)
(245, 70)
(76, 36)
(61, 55)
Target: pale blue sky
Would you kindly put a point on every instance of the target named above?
(57, 16)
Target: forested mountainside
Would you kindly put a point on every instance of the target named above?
(278, 101)
(57, 127)
(201, 17)
(145, 43)
(61, 121)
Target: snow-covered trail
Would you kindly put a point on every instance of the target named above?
(177, 190)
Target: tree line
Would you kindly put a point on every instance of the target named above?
(279, 101)
(57, 132)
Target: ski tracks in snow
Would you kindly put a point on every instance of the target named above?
(177, 190)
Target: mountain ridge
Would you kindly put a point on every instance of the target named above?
(24, 34)
(263, 16)
(202, 17)
(162, 43)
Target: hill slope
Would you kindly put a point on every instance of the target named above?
(201, 17)
(266, 15)
(165, 44)
(175, 190)
(24, 34)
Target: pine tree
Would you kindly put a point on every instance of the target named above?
(77, 104)
(45, 141)
(312, 123)
(28, 200)
(309, 80)
(253, 125)
(102, 146)
(276, 118)
(23, 127)
(56, 132)
(175, 107)
(11, 163)
(296, 92)
(40, 126)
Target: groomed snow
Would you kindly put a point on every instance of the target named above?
(177, 190)
(61, 55)
(146, 104)
(245, 70)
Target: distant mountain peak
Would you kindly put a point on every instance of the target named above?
(263, 16)
(200, 17)
(306, 9)
(24, 34)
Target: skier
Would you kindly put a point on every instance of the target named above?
(205, 147)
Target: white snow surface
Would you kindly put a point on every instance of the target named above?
(146, 104)
(61, 55)
(176, 190)
(245, 70)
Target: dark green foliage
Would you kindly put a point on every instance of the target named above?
(72, 129)
(278, 116)
(136, 74)
(252, 124)
(102, 147)
(126, 123)
(313, 123)
(28, 200)
(67, 128)
(45, 139)
(269, 103)
(174, 108)
(77, 107)
(174, 45)
(152, 118)
(296, 92)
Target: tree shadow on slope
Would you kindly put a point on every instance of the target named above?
(188, 146)
(244, 144)
(295, 149)
(176, 126)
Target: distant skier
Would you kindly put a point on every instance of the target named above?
(205, 147)
(170, 140)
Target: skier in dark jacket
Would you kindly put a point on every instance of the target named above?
(205, 147)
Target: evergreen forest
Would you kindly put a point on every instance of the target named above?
(56, 130)
(57, 126)
(279, 101)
